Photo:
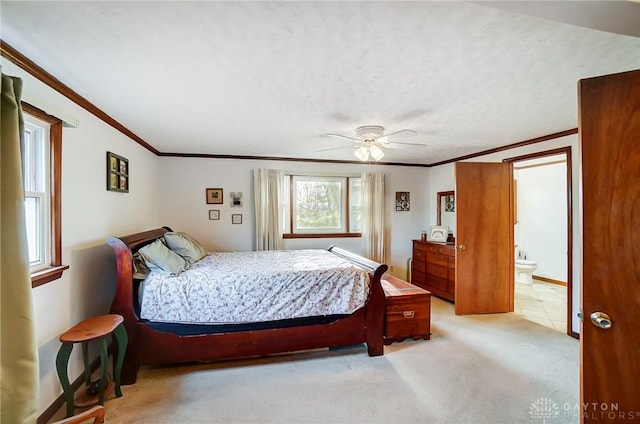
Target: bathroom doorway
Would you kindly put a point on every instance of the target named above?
(542, 225)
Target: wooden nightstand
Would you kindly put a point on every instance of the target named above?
(408, 310)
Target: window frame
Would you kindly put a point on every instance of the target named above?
(288, 225)
(37, 186)
(56, 268)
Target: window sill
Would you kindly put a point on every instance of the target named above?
(332, 235)
(47, 275)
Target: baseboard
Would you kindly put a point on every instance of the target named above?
(60, 401)
(550, 280)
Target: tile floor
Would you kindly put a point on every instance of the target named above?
(542, 302)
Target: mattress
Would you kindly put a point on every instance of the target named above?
(245, 287)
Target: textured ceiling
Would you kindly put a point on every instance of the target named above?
(270, 78)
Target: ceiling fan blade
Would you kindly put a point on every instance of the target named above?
(335, 148)
(408, 144)
(399, 135)
(343, 136)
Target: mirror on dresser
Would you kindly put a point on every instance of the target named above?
(447, 210)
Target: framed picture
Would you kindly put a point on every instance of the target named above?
(117, 173)
(403, 202)
(450, 203)
(214, 214)
(236, 199)
(236, 218)
(214, 196)
(438, 233)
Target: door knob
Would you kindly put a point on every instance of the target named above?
(461, 247)
(600, 319)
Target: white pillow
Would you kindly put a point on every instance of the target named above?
(185, 246)
(160, 258)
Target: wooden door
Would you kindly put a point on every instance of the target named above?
(610, 145)
(484, 259)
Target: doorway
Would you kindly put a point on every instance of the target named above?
(541, 218)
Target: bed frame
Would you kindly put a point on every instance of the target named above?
(148, 346)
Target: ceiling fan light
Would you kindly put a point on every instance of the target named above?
(362, 153)
(376, 152)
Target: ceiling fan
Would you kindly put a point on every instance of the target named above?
(371, 140)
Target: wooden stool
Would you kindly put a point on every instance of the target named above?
(96, 328)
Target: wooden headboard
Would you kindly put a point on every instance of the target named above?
(124, 301)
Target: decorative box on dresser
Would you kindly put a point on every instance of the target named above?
(433, 268)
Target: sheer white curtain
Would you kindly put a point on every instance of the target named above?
(373, 228)
(268, 201)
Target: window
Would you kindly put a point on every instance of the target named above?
(42, 165)
(37, 191)
(319, 206)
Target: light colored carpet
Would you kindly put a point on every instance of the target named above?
(475, 369)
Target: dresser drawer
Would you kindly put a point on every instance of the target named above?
(417, 277)
(418, 266)
(438, 259)
(437, 270)
(419, 245)
(419, 255)
(451, 287)
(449, 250)
(437, 283)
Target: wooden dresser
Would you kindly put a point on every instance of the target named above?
(434, 268)
(408, 310)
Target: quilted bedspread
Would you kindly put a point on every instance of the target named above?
(241, 287)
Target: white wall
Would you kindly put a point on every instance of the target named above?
(171, 191)
(163, 191)
(442, 178)
(90, 214)
(541, 233)
(183, 207)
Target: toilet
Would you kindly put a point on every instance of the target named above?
(524, 270)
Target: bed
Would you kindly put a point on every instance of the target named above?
(154, 342)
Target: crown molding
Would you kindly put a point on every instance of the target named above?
(32, 68)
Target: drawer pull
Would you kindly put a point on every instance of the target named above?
(408, 314)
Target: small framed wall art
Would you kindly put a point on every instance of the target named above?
(214, 214)
(214, 196)
(403, 202)
(117, 173)
(236, 218)
(236, 199)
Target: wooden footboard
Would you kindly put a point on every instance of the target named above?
(148, 346)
